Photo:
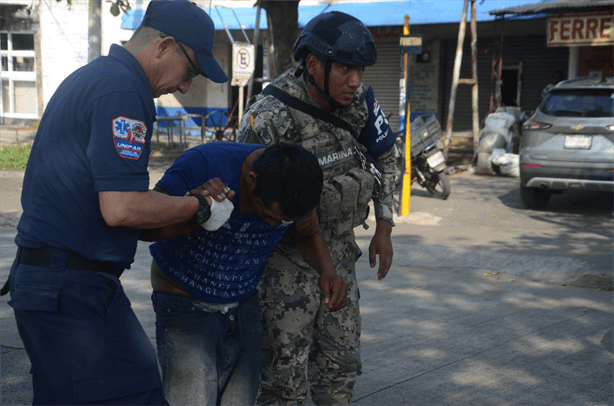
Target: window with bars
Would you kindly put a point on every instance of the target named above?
(18, 74)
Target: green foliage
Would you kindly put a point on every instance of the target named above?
(14, 157)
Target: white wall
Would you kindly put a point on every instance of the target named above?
(64, 47)
(64, 41)
(64, 38)
(217, 93)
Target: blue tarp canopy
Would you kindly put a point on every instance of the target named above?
(373, 14)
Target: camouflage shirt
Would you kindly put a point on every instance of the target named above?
(267, 120)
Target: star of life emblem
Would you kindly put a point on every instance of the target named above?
(129, 137)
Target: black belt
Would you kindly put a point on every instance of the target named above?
(42, 257)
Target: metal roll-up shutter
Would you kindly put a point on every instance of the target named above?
(538, 64)
(384, 77)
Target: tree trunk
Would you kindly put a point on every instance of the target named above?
(282, 19)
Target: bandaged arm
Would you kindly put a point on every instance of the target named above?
(220, 212)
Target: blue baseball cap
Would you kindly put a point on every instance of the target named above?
(190, 25)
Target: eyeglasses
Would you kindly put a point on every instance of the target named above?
(195, 71)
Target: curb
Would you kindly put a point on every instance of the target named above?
(549, 269)
(12, 135)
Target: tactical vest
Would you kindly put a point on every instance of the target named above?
(347, 189)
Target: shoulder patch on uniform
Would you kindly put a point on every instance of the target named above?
(129, 137)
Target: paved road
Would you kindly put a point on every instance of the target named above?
(444, 328)
(483, 226)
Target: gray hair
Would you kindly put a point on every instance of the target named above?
(144, 35)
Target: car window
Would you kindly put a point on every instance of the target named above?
(579, 103)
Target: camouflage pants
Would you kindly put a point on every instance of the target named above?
(299, 335)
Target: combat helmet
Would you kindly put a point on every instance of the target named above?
(335, 36)
(339, 37)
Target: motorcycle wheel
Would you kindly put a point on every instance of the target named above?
(439, 186)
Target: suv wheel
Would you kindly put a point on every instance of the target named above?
(534, 198)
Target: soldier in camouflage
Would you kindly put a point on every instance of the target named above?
(298, 334)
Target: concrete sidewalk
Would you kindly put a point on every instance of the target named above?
(473, 310)
(429, 338)
(437, 338)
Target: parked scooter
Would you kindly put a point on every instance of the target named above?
(428, 165)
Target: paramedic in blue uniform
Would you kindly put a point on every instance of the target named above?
(85, 196)
(208, 328)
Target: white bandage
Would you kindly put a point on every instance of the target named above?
(220, 213)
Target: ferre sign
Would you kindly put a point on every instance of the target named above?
(580, 30)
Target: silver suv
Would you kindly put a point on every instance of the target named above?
(569, 141)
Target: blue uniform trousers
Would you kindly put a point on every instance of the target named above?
(84, 342)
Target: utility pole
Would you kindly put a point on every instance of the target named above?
(406, 186)
(409, 44)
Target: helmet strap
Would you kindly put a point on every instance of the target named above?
(327, 68)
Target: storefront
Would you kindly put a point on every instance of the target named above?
(429, 71)
(527, 67)
(582, 28)
(35, 60)
(590, 38)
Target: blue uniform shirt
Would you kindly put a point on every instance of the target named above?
(94, 136)
(226, 265)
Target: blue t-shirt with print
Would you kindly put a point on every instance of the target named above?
(225, 265)
(94, 136)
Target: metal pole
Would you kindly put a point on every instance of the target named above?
(500, 67)
(241, 87)
(457, 66)
(224, 24)
(572, 65)
(241, 26)
(494, 75)
(474, 73)
(406, 186)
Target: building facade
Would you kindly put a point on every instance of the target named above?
(43, 41)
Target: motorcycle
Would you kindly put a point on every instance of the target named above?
(428, 165)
